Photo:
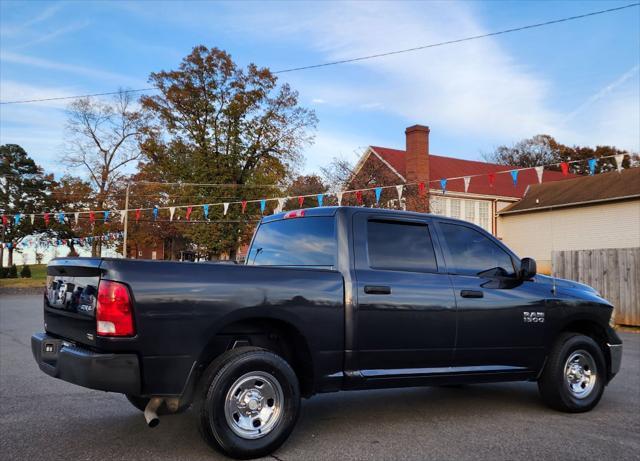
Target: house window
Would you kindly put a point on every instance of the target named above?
(455, 207)
(438, 205)
(470, 210)
(483, 220)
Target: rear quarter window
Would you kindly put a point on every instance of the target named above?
(308, 242)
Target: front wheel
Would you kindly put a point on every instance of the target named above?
(250, 402)
(573, 378)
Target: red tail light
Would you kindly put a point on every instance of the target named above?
(114, 313)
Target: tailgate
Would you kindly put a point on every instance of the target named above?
(70, 298)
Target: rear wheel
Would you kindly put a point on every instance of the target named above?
(250, 402)
(573, 378)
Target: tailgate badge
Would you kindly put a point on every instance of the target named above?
(89, 336)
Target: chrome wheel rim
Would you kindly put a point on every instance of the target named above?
(580, 374)
(253, 406)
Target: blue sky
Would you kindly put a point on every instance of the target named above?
(578, 81)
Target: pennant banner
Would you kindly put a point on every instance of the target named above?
(564, 166)
(539, 172)
(172, 210)
(467, 180)
(155, 212)
(76, 216)
(320, 199)
(339, 197)
(592, 166)
(514, 176)
(399, 189)
(619, 159)
(263, 204)
(300, 201)
(378, 194)
(205, 210)
(443, 185)
(225, 208)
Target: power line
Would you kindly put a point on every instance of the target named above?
(363, 58)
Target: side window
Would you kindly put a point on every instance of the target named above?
(402, 246)
(472, 252)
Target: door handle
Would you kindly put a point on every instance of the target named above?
(472, 294)
(377, 290)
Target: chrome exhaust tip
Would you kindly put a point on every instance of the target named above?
(150, 411)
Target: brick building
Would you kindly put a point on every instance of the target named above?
(480, 203)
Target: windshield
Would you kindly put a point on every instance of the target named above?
(295, 242)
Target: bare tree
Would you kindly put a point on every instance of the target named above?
(103, 141)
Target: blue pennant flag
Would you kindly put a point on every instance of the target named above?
(61, 217)
(155, 212)
(443, 185)
(263, 204)
(320, 198)
(16, 218)
(58, 242)
(9, 245)
(592, 166)
(205, 209)
(378, 194)
(106, 216)
(514, 176)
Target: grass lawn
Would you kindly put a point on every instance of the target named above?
(38, 277)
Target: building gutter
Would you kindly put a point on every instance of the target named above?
(572, 204)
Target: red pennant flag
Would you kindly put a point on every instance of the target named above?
(300, 201)
(189, 210)
(564, 166)
(244, 206)
(137, 215)
(359, 197)
(46, 219)
(421, 188)
(492, 179)
(92, 217)
(5, 220)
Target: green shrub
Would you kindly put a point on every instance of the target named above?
(3, 272)
(25, 273)
(12, 273)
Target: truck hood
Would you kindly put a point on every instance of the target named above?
(564, 283)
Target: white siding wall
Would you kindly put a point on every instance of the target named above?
(537, 234)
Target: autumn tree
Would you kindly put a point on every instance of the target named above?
(543, 149)
(102, 141)
(24, 189)
(215, 122)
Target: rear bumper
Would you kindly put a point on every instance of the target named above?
(104, 372)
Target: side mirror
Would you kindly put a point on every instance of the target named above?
(528, 269)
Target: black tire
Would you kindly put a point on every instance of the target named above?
(226, 372)
(553, 383)
(141, 403)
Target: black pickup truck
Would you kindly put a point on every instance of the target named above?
(329, 299)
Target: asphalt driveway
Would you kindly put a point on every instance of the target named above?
(44, 418)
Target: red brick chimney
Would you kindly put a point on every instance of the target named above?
(417, 160)
(417, 163)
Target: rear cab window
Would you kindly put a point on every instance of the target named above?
(400, 246)
(296, 242)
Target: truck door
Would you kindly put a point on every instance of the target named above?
(405, 316)
(500, 318)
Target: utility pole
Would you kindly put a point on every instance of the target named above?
(126, 222)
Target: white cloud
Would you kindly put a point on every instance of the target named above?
(333, 144)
